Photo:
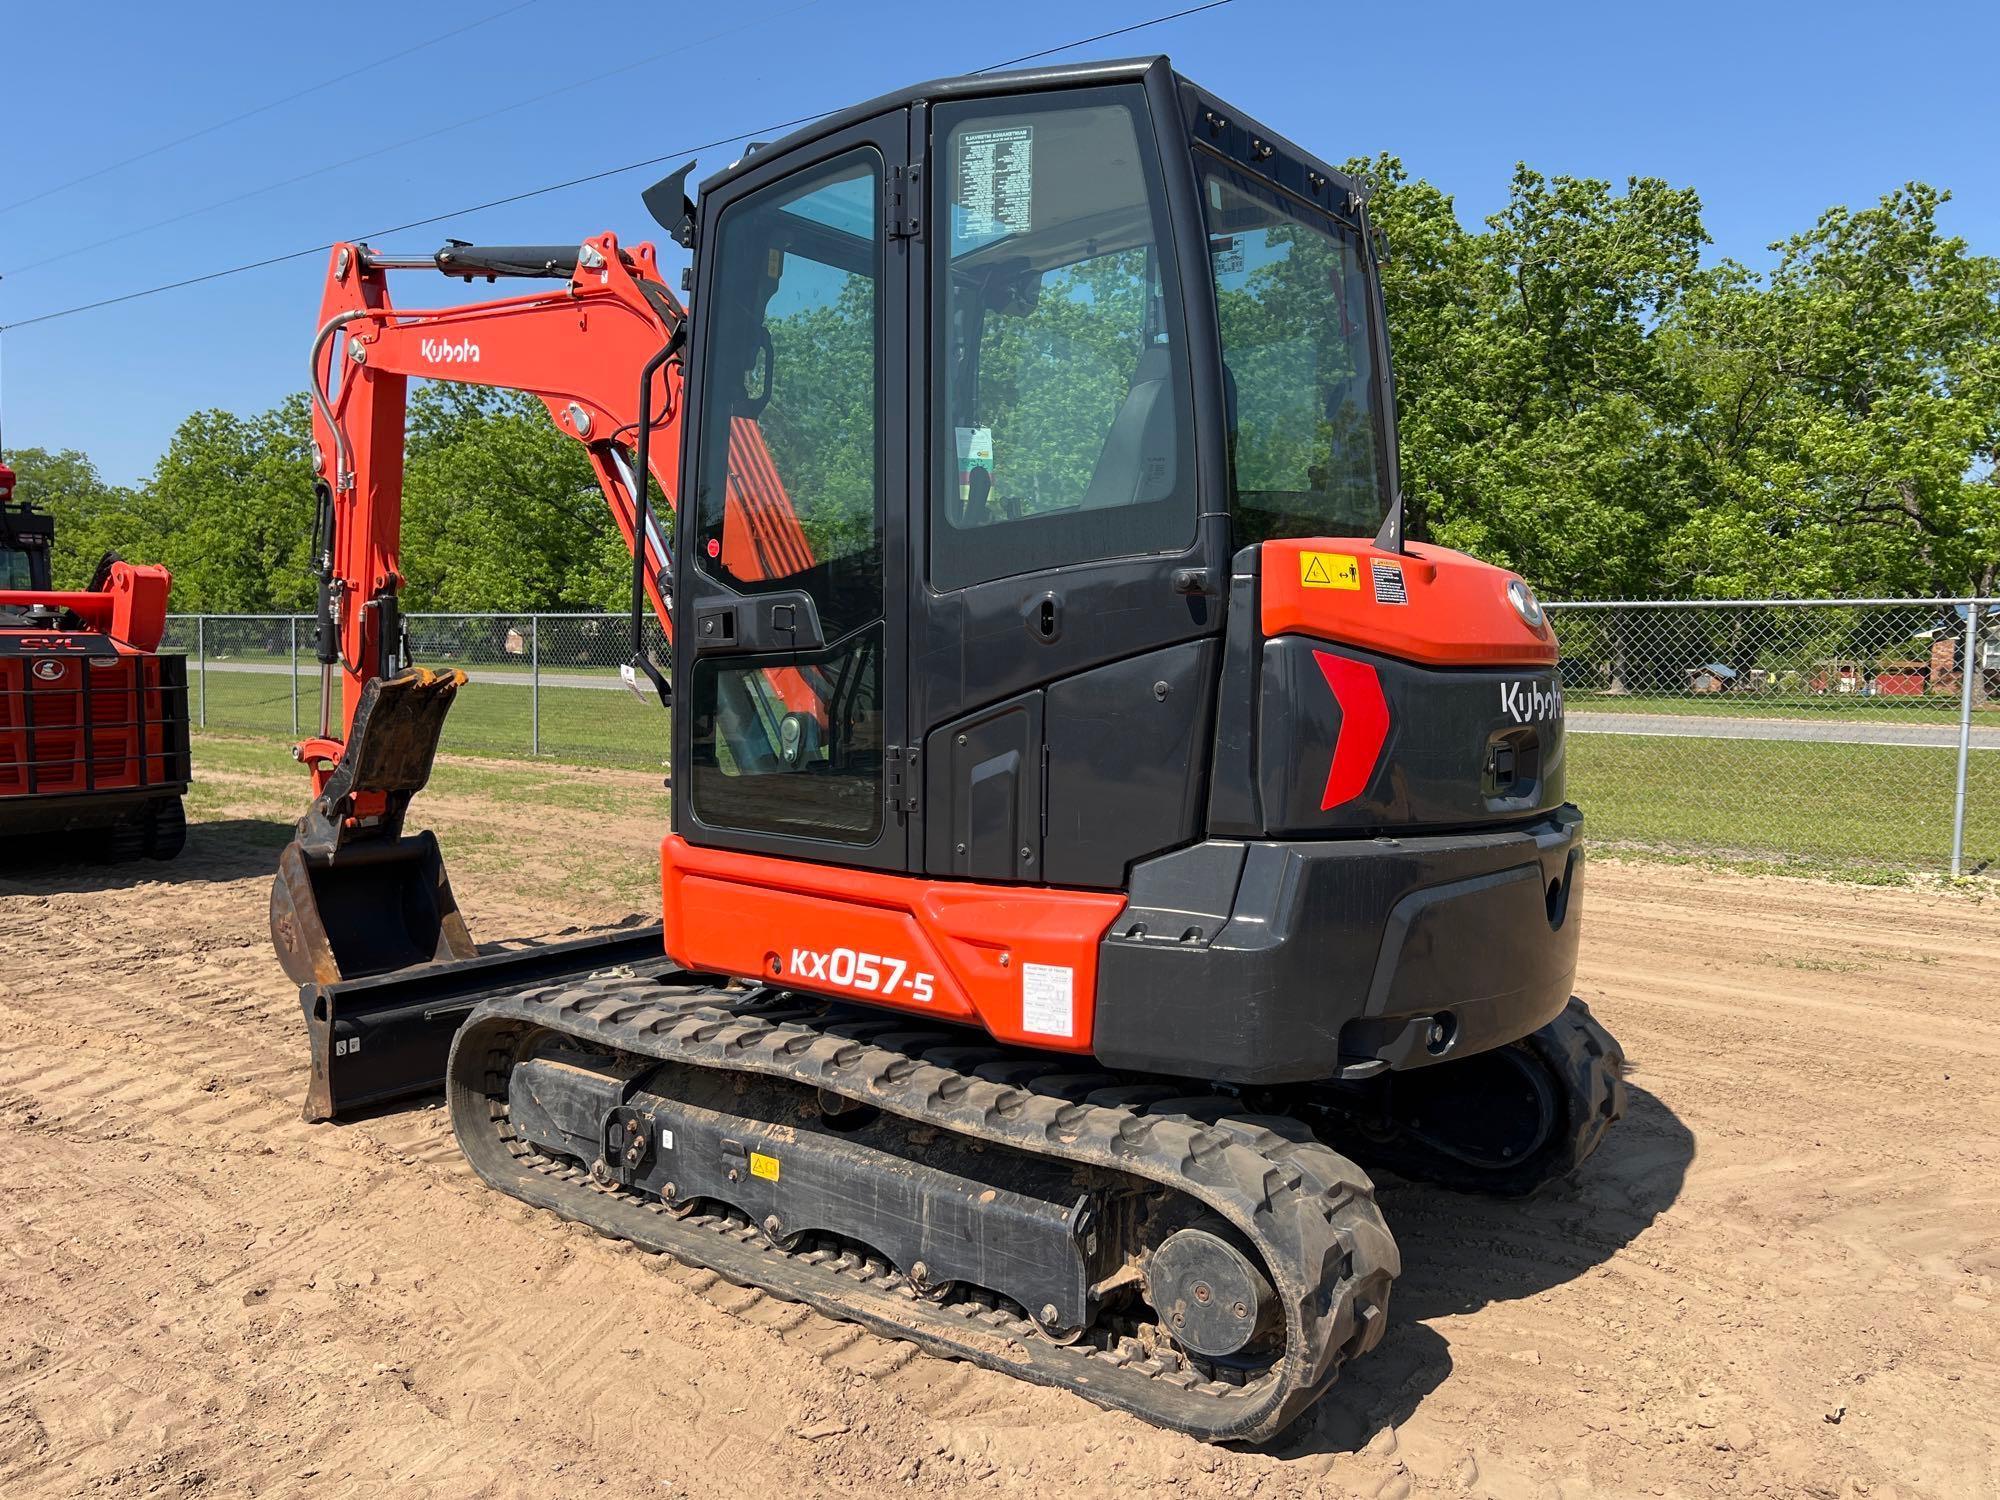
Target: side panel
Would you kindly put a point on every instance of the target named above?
(983, 785)
(1019, 961)
(1127, 759)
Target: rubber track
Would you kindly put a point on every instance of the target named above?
(1588, 1068)
(1309, 1211)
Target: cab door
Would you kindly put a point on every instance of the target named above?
(789, 734)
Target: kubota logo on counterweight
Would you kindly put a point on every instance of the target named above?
(1525, 702)
(445, 352)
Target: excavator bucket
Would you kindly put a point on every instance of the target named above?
(364, 919)
(368, 909)
(354, 897)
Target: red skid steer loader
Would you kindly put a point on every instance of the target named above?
(93, 716)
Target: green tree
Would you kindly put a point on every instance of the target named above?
(229, 508)
(92, 516)
(501, 510)
(1540, 414)
(1848, 411)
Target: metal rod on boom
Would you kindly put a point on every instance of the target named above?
(642, 494)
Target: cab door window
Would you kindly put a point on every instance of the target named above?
(789, 498)
(1063, 427)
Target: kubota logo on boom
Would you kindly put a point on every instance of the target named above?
(445, 352)
(1525, 702)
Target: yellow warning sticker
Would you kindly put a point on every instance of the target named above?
(763, 1166)
(1328, 570)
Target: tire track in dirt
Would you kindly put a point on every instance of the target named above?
(205, 1294)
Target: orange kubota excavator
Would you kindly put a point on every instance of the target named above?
(1095, 826)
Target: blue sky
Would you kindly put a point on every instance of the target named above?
(1772, 112)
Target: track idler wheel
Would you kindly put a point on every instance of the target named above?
(1208, 1292)
(1505, 1121)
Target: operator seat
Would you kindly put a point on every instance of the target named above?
(1137, 463)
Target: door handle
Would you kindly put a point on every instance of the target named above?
(786, 621)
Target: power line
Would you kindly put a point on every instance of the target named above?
(1102, 36)
(237, 119)
(458, 124)
(556, 187)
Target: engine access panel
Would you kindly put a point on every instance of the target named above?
(1070, 783)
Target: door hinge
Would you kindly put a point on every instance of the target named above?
(903, 778)
(904, 206)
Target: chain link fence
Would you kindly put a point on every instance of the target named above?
(543, 684)
(1833, 732)
(1843, 732)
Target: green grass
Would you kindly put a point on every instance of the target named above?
(1832, 808)
(1819, 804)
(585, 726)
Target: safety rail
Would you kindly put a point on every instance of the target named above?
(149, 748)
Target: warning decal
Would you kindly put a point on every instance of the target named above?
(1389, 587)
(1048, 999)
(1328, 570)
(763, 1166)
(996, 181)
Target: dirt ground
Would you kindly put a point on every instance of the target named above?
(1782, 1277)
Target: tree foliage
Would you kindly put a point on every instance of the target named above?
(1580, 397)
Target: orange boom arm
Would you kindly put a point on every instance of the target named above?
(579, 349)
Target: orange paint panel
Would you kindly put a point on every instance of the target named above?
(1018, 961)
(1454, 610)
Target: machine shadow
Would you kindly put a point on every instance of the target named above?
(1462, 1252)
(224, 850)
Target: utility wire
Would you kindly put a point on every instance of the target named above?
(458, 124)
(556, 187)
(1102, 36)
(237, 119)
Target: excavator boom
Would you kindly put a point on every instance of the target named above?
(362, 914)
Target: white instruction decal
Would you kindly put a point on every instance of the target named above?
(1048, 999)
(996, 181)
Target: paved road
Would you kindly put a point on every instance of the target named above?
(1817, 731)
(1675, 726)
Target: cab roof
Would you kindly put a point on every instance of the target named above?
(1206, 118)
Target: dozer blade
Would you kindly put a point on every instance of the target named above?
(388, 1036)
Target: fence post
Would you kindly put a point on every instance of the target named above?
(1968, 674)
(293, 621)
(534, 684)
(201, 671)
